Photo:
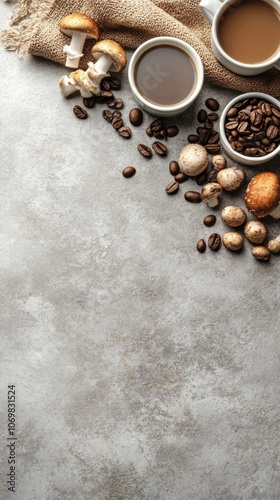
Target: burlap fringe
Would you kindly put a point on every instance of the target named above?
(25, 16)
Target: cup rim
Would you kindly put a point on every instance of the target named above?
(191, 52)
(252, 160)
(267, 62)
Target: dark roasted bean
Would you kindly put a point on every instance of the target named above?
(174, 168)
(212, 104)
(181, 177)
(159, 148)
(80, 112)
(128, 171)
(209, 220)
(193, 196)
(201, 115)
(201, 246)
(172, 187)
(117, 122)
(136, 117)
(145, 150)
(214, 241)
(89, 102)
(125, 132)
(193, 138)
(108, 115)
(172, 131)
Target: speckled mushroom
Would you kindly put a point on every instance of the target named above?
(193, 159)
(262, 195)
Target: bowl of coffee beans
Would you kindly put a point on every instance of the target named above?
(250, 128)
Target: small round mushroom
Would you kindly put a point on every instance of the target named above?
(233, 216)
(262, 195)
(231, 178)
(193, 159)
(219, 162)
(233, 240)
(255, 231)
(210, 194)
(79, 27)
(274, 245)
(261, 253)
(109, 55)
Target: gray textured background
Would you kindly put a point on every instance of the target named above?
(143, 369)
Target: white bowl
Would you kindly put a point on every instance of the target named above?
(234, 155)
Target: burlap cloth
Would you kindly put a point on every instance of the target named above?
(34, 29)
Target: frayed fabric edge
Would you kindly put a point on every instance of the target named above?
(24, 20)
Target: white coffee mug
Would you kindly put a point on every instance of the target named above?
(213, 10)
(150, 106)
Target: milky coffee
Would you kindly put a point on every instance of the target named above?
(249, 31)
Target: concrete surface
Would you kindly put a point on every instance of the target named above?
(143, 369)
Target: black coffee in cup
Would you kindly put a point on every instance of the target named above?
(165, 75)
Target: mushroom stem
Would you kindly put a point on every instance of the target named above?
(74, 50)
(276, 213)
(102, 64)
(67, 86)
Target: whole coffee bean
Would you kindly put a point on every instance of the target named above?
(181, 177)
(193, 138)
(115, 83)
(275, 111)
(212, 175)
(201, 246)
(157, 134)
(159, 148)
(272, 132)
(107, 94)
(156, 125)
(232, 112)
(105, 84)
(201, 115)
(214, 241)
(89, 102)
(136, 117)
(201, 179)
(172, 131)
(213, 149)
(118, 103)
(172, 187)
(116, 114)
(80, 112)
(112, 102)
(174, 168)
(193, 196)
(208, 124)
(215, 137)
(149, 132)
(129, 171)
(107, 115)
(124, 132)
(163, 133)
(212, 104)
(145, 150)
(117, 122)
(209, 220)
(213, 117)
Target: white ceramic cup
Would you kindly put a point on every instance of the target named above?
(165, 110)
(213, 10)
(234, 155)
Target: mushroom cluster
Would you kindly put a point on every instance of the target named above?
(107, 55)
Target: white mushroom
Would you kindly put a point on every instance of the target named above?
(109, 55)
(86, 86)
(219, 162)
(261, 253)
(233, 240)
(274, 245)
(79, 27)
(255, 231)
(67, 86)
(193, 159)
(233, 216)
(231, 178)
(210, 194)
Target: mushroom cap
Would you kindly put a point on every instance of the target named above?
(263, 194)
(255, 231)
(261, 253)
(233, 216)
(274, 245)
(81, 23)
(233, 241)
(219, 162)
(230, 178)
(111, 49)
(81, 78)
(193, 159)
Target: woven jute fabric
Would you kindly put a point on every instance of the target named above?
(34, 29)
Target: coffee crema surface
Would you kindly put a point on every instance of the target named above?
(249, 31)
(165, 75)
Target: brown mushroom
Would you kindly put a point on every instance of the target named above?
(231, 178)
(233, 241)
(109, 55)
(262, 195)
(261, 253)
(233, 216)
(255, 231)
(79, 27)
(210, 194)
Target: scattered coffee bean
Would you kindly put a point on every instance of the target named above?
(181, 177)
(159, 148)
(112, 102)
(124, 132)
(136, 117)
(149, 132)
(172, 131)
(163, 133)
(108, 115)
(156, 125)
(105, 84)
(106, 94)
(250, 129)
(174, 168)
(193, 138)
(128, 171)
(214, 241)
(193, 196)
(145, 150)
(201, 179)
(213, 117)
(212, 104)
(212, 175)
(172, 187)
(201, 246)
(201, 115)
(89, 102)
(115, 83)
(117, 122)
(209, 220)
(80, 112)
(213, 149)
